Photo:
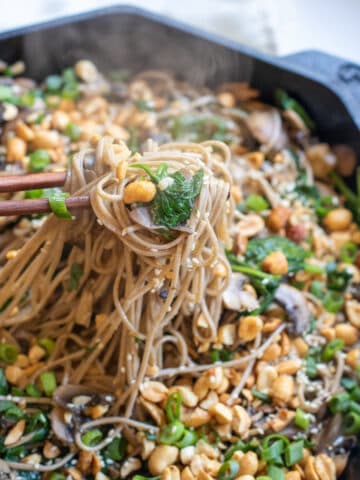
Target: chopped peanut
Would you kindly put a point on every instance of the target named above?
(348, 333)
(301, 347)
(221, 412)
(249, 327)
(283, 389)
(289, 367)
(275, 263)
(13, 374)
(16, 149)
(241, 420)
(162, 457)
(23, 131)
(15, 433)
(337, 219)
(353, 358)
(36, 353)
(278, 218)
(154, 391)
(256, 159)
(139, 191)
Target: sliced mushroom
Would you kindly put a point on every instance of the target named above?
(296, 308)
(60, 428)
(141, 216)
(266, 127)
(235, 298)
(76, 397)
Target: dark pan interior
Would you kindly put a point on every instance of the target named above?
(121, 37)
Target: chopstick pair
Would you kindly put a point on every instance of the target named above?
(17, 183)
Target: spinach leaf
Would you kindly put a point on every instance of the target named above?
(337, 279)
(173, 205)
(259, 248)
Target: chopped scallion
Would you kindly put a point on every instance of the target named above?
(58, 205)
(228, 470)
(48, 383)
(302, 419)
(8, 352)
(331, 348)
(47, 344)
(39, 160)
(92, 437)
(256, 203)
(294, 453)
(348, 252)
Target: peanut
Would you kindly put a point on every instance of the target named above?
(139, 191)
(15, 149)
(278, 218)
(338, 219)
(275, 263)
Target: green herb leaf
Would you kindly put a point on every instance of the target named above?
(259, 248)
(116, 449)
(76, 272)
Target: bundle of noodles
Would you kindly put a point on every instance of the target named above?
(128, 300)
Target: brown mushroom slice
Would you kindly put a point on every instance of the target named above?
(78, 396)
(266, 126)
(235, 298)
(59, 427)
(296, 308)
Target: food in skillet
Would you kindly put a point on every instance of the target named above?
(202, 320)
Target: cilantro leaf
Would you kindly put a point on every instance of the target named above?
(173, 205)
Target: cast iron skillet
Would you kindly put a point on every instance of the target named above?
(124, 36)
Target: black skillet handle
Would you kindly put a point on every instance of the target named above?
(340, 75)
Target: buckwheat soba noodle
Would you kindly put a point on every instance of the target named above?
(201, 319)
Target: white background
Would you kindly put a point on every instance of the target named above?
(275, 26)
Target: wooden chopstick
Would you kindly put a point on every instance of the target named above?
(18, 183)
(39, 205)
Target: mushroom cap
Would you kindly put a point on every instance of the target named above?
(296, 308)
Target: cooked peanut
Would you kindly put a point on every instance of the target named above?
(328, 333)
(292, 476)
(271, 353)
(249, 463)
(50, 450)
(15, 149)
(352, 309)
(281, 420)
(13, 374)
(32, 459)
(36, 353)
(256, 159)
(283, 389)
(226, 99)
(251, 225)
(201, 387)
(139, 191)
(353, 358)
(154, 391)
(161, 457)
(189, 399)
(186, 474)
(348, 333)
(86, 71)
(84, 462)
(271, 324)
(320, 467)
(22, 361)
(275, 263)
(214, 377)
(60, 120)
(321, 158)
(241, 420)
(170, 473)
(345, 159)
(202, 475)
(203, 447)
(278, 218)
(289, 367)
(195, 418)
(15, 433)
(186, 454)
(236, 194)
(220, 270)
(301, 347)
(227, 334)
(97, 411)
(156, 412)
(130, 465)
(337, 219)
(46, 139)
(221, 412)
(249, 327)
(266, 377)
(23, 131)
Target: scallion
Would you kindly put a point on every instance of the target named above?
(92, 437)
(73, 131)
(264, 397)
(228, 470)
(190, 437)
(308, 267)
(256, 203)
(39, 160)
(173, 406)
(294, 453)
(333, 301)
(8, 352)
(272, 454)
(172, 432)
(352, 423)
(58, 205)
(48, 383)
(331, 348)
(32, 390)
(116, 449)
(340, 402)
(275, 473)
(348, 252)
(302, 419)
(47, 344)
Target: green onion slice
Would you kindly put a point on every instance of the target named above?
(8, 352)
(228, 470)
(58, 205)
(92, 437)
(39, 160)
(302, 419)
(48, 382)
(172, 433)
(331, 348)
(173, 406)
